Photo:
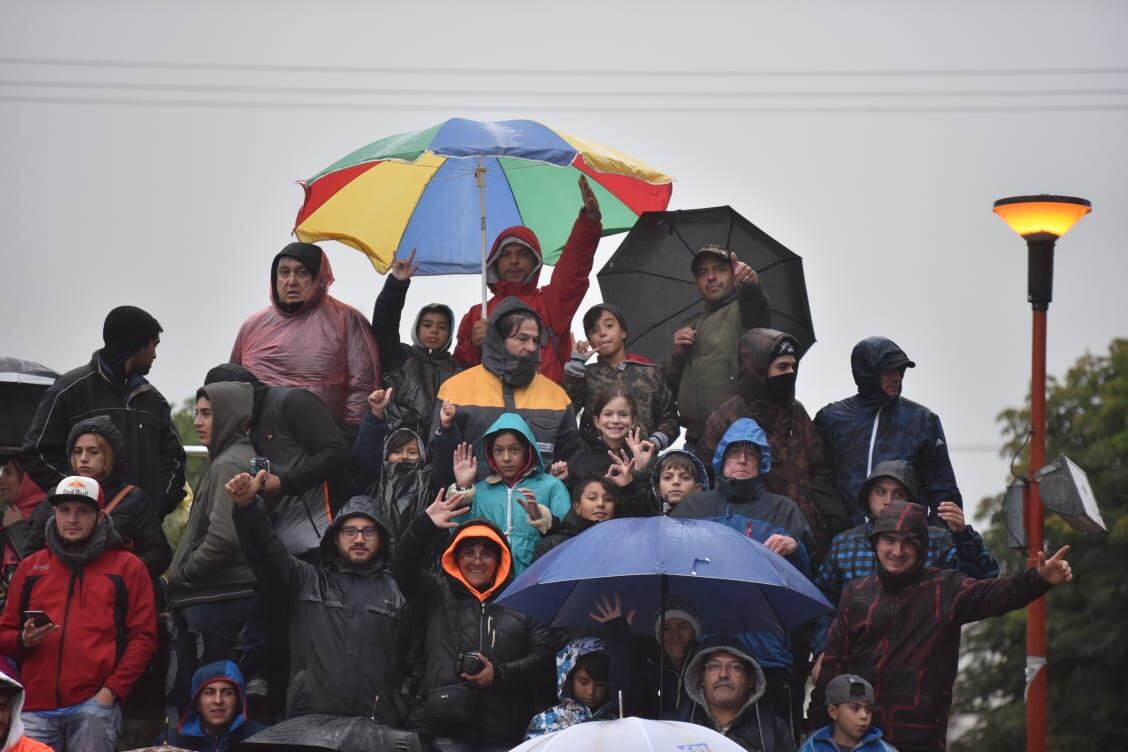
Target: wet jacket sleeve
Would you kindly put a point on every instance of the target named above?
(465, 354)
(327, 451)
(368, 452)
(140, 630)
(220, 543)
(935, 468)
(443, 443)
(755, 310)
(386, 321)
(363, 368)
(664, 409)
(973, 600)
(11, 628)
(414, 581)
(149, 541)
(828, 580)
(527, 670)
(972, 557)
(173, 461)
(274, 568)
(43, 455)
(565, 291)
(568, 442)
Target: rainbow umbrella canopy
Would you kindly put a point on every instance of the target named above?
(431, 189)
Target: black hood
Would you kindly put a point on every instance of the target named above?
(448, 314)
(497, 360)
(756, 351)
(870, 357)
(898, 470)
(357, 506)
(313, 258)
(104, 427)
(237, 373)
(908, 520)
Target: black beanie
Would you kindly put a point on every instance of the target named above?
(126, 330)
(307, 253)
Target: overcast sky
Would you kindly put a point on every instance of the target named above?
(150, 152)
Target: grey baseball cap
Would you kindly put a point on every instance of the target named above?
(848, 688)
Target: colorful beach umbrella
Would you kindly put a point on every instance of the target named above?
(447, 191)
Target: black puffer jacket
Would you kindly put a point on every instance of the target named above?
(350, 628)
(133, 517)
(460, 619)
(571, 526)
(154, 457)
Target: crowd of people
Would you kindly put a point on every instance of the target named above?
(368, 500)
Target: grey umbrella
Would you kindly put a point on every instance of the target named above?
(318, 733)
(22, 383)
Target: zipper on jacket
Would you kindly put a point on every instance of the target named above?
(481, 632)
(873, 440)
(63, 642)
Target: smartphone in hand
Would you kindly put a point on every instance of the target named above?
(38, 618)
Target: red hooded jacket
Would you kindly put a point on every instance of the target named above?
(556, 303)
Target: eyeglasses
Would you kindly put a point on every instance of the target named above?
(351, 532)
(469, 554)
(716, 667)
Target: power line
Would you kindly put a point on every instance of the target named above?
(525, 72)
(559, 93)
(550, 107)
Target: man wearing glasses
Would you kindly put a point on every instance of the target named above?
(727, 688)
(350, 633)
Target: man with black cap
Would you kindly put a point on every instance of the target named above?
(606, 330)
(878, 424)
(703, 365)
(900, 627)
(113, 383)
(308, 339)
(81, 619)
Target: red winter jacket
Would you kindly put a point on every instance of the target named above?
(556, 303)
(107, 626)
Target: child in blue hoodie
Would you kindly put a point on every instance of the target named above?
(517, 495)
(849, 702)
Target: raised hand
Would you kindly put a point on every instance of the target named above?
(403, 269)
(619, 472)
(952, 515)
(465, 465)
(591, 203)
(583, 348)
(642, 449)
(559, 469)
(443, 510)
(529, 501)
(243, 488)
(446, 414)
(742, 272)
(379, 400)
(1055, 570)
(606, 610)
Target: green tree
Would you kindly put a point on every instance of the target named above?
(1087, 419)
(182, 421)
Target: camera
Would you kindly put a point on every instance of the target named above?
(470, 663)
(260, 463)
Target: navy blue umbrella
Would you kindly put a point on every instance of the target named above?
(735, 583)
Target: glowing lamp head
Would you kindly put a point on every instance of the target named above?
(1042, 215)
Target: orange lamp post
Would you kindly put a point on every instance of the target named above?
(1040, 220)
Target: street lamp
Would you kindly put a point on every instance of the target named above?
(1041, 220)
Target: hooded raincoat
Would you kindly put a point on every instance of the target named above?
(498, 499)
(505, 384)
(460, 618)
(746, 497)
(555, 303)
(570, 711)
(872, 427)
(324, 346)
(209, 565)
(414, 371)
(756, 726)
(801, 468)
(16, 740)
(700, 472)
(350, 628)
(133, 516)
(902, 633)
(191, 733)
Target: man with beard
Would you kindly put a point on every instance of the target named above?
(217, 718)
(81, 619)
(801, 469)
(900, 627)
(507, 381)
(113, 383)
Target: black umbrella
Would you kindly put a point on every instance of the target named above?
(649, 276)
(22, 383)
(318, 733)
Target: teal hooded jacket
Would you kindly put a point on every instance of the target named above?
(499, 501)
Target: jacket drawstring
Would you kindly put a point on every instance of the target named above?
(873, 441)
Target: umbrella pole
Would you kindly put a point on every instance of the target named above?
(662, 643)
(480, 178)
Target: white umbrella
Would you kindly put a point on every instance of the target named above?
(630, 734)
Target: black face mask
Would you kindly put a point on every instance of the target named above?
(781, 389)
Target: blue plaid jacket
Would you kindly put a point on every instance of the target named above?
(851, 556)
